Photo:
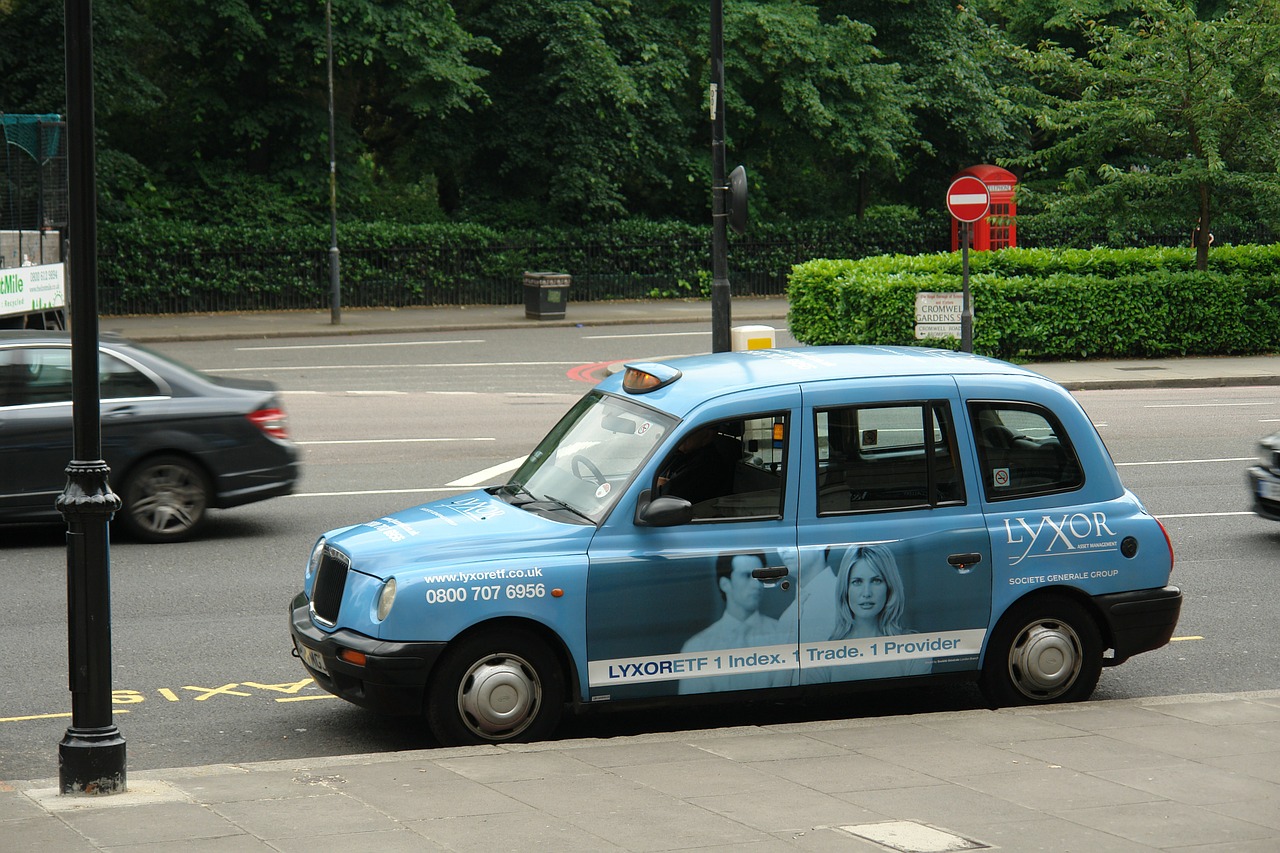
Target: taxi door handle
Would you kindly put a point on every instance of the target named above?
(964, 561)
(770, 573)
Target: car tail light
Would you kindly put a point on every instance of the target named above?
(1168, 542)
(271, 421)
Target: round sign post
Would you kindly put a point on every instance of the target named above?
(968, 199)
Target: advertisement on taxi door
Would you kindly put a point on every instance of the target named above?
(717, 627)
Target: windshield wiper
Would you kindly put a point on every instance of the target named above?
(562, 505)
(517, 490)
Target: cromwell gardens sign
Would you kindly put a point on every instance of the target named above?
(938, 315)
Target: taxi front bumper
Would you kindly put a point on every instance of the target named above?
(392, 678)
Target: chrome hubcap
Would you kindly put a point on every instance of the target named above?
(499, 697)
(1045, 660)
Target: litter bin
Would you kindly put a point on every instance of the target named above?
(545, 295)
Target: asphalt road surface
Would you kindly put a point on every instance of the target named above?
(202, 670)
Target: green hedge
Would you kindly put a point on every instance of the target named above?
(164, 266)
(1035, 304)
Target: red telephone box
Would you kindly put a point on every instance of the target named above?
(998, 229)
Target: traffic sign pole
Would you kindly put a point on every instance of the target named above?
(968, 199)
(966, 308)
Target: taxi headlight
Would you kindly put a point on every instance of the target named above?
(314, 563)
(386, 598)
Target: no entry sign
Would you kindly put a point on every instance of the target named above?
(968, 199)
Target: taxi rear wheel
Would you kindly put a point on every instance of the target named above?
(496, 687)
(1044, 650)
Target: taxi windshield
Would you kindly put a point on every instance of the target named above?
(584, 464)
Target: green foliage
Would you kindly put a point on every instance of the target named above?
(1166, 107)
(810, 97)
(1068, 304)
(162, 265)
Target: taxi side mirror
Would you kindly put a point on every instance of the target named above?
(663, 511)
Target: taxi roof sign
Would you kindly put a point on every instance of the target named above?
(648, 376)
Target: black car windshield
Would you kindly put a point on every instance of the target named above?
(585, 463)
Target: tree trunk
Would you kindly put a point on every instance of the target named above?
(1203, 235)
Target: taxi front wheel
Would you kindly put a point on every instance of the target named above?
(1044, 650)
(496, 687)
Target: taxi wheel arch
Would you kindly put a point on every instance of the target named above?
(501, 683)
(1046, 648)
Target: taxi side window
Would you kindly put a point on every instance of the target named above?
(1023, 451)
(731, 470)
(887, 457)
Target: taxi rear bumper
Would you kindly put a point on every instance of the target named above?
(1139, 620)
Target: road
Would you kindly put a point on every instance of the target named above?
(202, 669)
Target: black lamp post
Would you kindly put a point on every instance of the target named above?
(335, 290)
(91, 756)
(720, 293)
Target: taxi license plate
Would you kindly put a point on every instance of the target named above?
(313, 659)
(1268, 490)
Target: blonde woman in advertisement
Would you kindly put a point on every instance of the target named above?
(870, 602)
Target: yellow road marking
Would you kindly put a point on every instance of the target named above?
(49, 716)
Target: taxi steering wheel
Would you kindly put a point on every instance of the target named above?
(580, 460)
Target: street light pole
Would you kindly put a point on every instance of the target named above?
(335, 289)
(91, 756)
(720, 293)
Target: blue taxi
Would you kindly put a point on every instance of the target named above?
(783, 520)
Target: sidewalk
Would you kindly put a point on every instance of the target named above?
(772, 311)
(1167, 773)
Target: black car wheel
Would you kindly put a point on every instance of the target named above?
(1044, 650)
(496, 687)
(166, 499)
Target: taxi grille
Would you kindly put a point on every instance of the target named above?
(331, 579)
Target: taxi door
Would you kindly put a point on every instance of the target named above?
(706, 606)
(895, 561)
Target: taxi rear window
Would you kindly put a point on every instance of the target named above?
(887, 457)
(1023, 450)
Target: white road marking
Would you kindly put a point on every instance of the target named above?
(399, 367)
(1202, 515)
(472, 480)
(368, 492)
(388, 440)
(645, 335)
(1186, 461)
(1207, 405)
(367, 344)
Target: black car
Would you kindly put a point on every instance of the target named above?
(1264, 479)
(178, 442)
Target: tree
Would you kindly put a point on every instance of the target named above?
(964, 107)
(1166, 106)
(813, 108)
(590, 107)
